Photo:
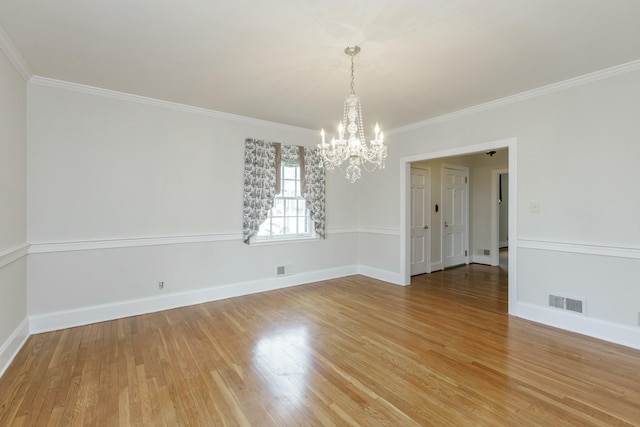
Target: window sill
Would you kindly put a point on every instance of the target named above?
(281, 240)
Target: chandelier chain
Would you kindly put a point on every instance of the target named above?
(353, 91)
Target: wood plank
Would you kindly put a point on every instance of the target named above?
(349, 351)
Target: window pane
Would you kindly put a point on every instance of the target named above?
(265, 228)
(288, 216)
(289, 188)
(278, 207)
(289, 172)
(292, 208)
(302, 208)
(277, 226)
(303, 225)
(292, 224)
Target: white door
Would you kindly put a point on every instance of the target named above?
(455, 215)
(420, 221)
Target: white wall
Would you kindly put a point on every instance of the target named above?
(13, 282)
(125, 192)
(578, 146)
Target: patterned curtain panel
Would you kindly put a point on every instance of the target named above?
(314, 188)
(259, 184)
(290, 155)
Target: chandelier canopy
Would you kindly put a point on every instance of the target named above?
(354, 147)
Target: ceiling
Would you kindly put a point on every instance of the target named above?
(283, 60)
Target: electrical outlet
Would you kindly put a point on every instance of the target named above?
(160, 285)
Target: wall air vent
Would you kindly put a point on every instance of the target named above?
(556, 301)
(573, 305)
(569, 304)
(284, 270)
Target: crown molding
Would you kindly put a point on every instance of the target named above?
(534, 93)
(138, 99)
(14, 56)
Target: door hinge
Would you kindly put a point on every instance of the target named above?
(465, 253)
(465, 180)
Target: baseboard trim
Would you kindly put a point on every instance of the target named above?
(436, 266)
(378, 274)
(628, 336)
(101, 313)
(9, 350)
(481, 259)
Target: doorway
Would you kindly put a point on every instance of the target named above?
(405, 205)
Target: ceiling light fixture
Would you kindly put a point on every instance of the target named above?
(354, 148)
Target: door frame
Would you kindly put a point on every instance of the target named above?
(495, 215)
(405, 206)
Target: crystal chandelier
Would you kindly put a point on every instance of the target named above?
(354, 147)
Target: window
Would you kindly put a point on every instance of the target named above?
(288, 218)
(271, 168)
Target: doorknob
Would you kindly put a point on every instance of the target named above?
(426, 226)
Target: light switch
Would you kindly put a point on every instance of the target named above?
(534, 207)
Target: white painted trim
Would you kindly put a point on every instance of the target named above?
(10, 255)
(460, 151)
(50, 247)
(342, 230)
(38, 248)
(613, 332)
(380, 230)
(378, 274)
(580, 248)
(522, 96)
(104, 312)
(107, 93)
(513, 223)
(482, 259)
(6, 45)
(10, 348)
(436, 266)
(503, 244)
(495, 215)
(283, 240)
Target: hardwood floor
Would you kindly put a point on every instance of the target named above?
(351, 351)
